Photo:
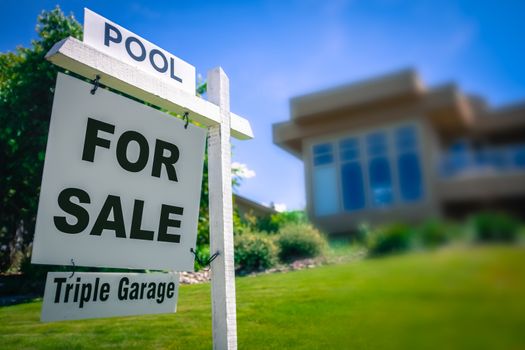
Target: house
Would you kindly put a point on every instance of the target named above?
(391, 149)
(249, 208)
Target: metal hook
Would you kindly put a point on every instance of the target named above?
(186, 117)
(213, 257)
(74, 267)
(96, 83)
(207, 262)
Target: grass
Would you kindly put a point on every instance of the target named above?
(454, 298)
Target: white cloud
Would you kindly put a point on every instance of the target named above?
(280, 207)
(242, 170)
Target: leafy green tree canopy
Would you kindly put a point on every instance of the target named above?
(26, 93)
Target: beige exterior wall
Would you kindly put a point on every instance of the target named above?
(482, 186)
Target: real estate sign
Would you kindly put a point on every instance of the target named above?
(92, 295)
(121, 183)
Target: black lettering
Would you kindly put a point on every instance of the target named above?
(85, 294)
(122, 147)
(134, 291)
(75, 298)
(69, 288)
(91, 139)
(142, 55)
(152, 54)
(166, 222)
(168, 161)
(104, 292)
(160, 292)
(170, 291)
(81, 214)
(107, 37)
(123, 288)
(142, 287)
(136, 222)
(151, 290)
(102, 223)
(95, 291)
(59, 281)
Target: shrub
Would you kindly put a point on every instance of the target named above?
(495, 227)
(275, 222)
(362, 233)
(389, 239)
(298, 241)
(254, 252)
(434, 233)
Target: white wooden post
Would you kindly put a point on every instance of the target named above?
(221, 222)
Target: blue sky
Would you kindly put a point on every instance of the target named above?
(274, 50)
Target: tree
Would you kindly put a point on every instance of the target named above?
(26, 94)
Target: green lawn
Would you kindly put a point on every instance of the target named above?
(455, 298)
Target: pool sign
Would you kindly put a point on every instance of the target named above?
(116, 41)
(93, 295)
(121, 183)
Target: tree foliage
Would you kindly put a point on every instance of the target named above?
(275, 222)
(26, 93)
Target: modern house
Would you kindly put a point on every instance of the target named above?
(391, 149)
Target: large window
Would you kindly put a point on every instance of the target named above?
(379, 170)
(353, 191)
(326, 197)
(366, 171)
(323, 154)
(409, 169)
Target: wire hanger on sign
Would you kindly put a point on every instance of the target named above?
(74, 268)
(186, 117)
(204, 264)
(96, 84)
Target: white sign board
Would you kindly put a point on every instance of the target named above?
(118, 42)
(93, 295)
(121, 183)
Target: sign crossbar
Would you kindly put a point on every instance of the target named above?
(80, 58)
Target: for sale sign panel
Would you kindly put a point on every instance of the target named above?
(121, 183)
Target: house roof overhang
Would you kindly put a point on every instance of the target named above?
(371, 103)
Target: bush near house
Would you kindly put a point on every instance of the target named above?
(299, 241)
(434, 233)
(495, 227)
(486, 227)
(254, 251)
(389, 239)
